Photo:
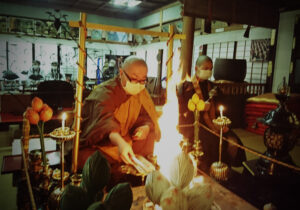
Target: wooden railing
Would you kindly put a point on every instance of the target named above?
(241, 88)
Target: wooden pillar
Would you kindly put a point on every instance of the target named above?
(187, 45)
(170, 52)
(204, 50)
(7, 60)
(272, 57)
(234, 49)
(58, 57)
(79, 89)
(159, 71)
(33, 51)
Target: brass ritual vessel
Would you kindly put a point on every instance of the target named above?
(280, 137)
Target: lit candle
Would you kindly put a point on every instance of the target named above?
(221, 108)
(64, 116)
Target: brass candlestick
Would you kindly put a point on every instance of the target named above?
(220, 170)
(76, 179)
(195, 104)
(197, 146)
(61, 135)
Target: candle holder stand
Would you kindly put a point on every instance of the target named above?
(220, 170)
(197, 150)
(61, 135)
(76, 179)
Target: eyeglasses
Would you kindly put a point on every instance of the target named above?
(204, 68)
(135, 80)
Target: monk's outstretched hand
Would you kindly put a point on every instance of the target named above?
(125, 149)
(126, 153)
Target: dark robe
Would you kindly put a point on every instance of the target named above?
(210, 142)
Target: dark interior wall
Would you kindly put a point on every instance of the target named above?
(254, 12)
(234, 108)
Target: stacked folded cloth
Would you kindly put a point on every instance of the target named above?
(256, 107)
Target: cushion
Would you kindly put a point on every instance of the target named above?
(264, 98)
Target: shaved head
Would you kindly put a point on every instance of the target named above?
(134, 69)
(133, 59)
(201, 59)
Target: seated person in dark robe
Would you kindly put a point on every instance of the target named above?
(36, 74)
(210, 142)
(119, 117)
(54, 74)
(109, 71)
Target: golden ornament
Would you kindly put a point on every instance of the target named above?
(200, 105)
(195, 98)
(191, 105)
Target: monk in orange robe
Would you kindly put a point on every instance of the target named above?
(119, 117)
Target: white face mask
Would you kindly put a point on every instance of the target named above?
(133, 88)
(204, 74)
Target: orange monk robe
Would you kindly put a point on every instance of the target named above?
(108, 108)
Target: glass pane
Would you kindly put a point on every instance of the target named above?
(46, 54)
(20, 58)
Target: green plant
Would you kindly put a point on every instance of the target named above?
(89, 195)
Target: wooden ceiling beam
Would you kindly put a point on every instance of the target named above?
(126, 30)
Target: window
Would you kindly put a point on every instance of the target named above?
(46, 54)
(3, 63)
(19, 58)
(256, 68)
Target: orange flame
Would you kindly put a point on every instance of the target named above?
(169, 147)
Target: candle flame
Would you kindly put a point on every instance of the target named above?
(221, 108)
(64, 116)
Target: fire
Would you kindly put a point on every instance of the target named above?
(169, 147)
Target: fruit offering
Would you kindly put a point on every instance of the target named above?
(38, 111)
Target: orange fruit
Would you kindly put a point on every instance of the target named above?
(32, 116)
(44, 106)
(37, 104)
(46, 113)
